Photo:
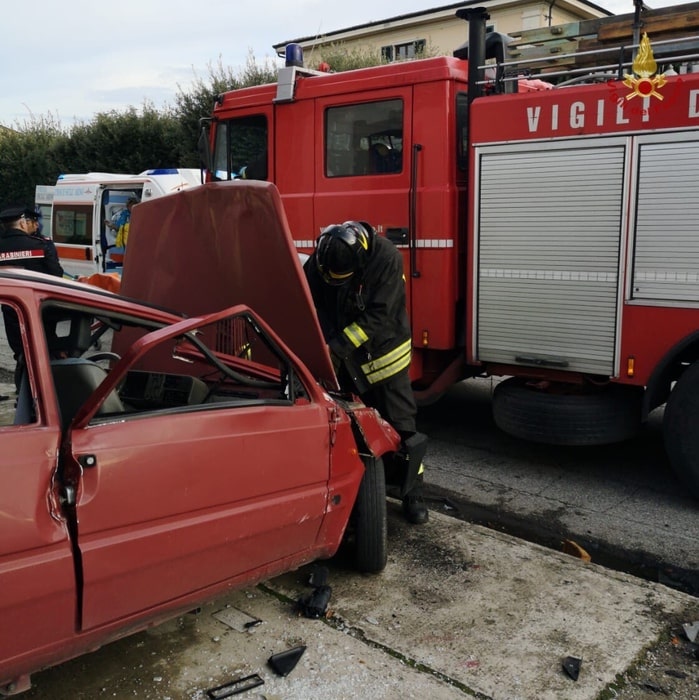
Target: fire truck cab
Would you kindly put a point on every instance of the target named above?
(83, 203)
(549, 236)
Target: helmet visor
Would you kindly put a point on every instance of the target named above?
(332, 277)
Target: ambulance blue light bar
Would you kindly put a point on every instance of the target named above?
(162, 171)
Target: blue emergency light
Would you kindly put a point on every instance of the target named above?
(293, 55)
(162, 171)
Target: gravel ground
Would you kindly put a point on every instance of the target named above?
(669, 669)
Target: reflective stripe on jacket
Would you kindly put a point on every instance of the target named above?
(365, 321)
(381, 368)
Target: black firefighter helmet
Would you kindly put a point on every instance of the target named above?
(342, 251)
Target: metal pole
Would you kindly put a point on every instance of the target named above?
(476, 18)
(638, 8)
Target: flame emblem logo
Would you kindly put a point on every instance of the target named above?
(644, 66)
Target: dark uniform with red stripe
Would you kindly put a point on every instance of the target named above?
(19, 248)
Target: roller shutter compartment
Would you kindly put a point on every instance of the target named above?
(548, 233)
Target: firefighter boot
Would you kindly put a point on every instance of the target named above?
(414, 507)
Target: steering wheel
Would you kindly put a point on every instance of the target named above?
(101, 356)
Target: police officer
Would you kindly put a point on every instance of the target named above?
(21, 245)
(357, 283)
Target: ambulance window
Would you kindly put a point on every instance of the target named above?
(240, 148)
(72, 223)
(364, 139)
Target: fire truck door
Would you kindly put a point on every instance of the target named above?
(548, 226)
(363, 162)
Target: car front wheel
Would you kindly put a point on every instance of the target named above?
(370, 518)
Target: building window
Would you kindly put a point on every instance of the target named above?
(402, 52)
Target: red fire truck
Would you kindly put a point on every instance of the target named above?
(549, 236)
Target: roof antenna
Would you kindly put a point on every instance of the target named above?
(315, 39)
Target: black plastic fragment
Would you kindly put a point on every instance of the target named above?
(675, 674)
(315, 604)
(571, 665)
(284, 662)
(238, 685)
(319, 576)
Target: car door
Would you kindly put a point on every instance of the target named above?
(175, 502)
(38, 600)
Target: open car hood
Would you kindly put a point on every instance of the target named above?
(225, 243)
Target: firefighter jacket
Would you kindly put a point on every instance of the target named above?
(18, 249)
(365, 322)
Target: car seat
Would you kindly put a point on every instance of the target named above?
(75, 380)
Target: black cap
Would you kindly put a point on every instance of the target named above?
(17, 211)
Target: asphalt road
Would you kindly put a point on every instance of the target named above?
(622, 503)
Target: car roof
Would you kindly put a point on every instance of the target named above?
(78, 292)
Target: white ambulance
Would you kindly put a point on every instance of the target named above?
(84, 203)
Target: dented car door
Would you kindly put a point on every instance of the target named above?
(172, 501)
(37, 604)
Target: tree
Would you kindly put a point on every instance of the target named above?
(339, 57)
(29, 156)
(127, 142)
(198, 102)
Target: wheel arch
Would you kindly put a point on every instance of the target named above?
(668, 370)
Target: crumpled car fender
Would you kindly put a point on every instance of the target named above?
(373, 433)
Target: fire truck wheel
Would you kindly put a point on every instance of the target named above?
(565, 415)
(680, 428)
(370, 527)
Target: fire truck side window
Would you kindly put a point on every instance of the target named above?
(240, 148)
(364, 139)
(72, 223)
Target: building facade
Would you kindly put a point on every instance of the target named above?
(438, 31)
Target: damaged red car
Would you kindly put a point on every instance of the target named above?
(152, 460)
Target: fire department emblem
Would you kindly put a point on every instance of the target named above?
(644, 66)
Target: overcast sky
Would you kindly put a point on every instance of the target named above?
(73, 59)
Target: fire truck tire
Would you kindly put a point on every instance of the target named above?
(371, 530)
(574, 418)
(680, 428)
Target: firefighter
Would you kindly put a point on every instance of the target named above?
(21, 245)
(357, 283)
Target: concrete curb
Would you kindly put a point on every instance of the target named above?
(460, 611)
